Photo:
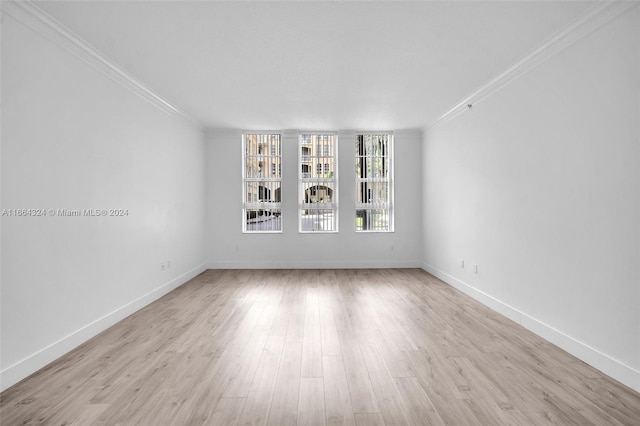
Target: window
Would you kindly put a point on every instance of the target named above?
(374, 183)
(262, 180)
(318, 194)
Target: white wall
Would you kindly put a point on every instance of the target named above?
(539, 185)
(228, 247)
(73, 138)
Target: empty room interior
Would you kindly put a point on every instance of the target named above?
(301, 212)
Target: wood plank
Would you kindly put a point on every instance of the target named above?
(287, 302)
(311, 402)
(395, 359)
(363, 399)
(312, 339)
(295, 327)
(240, 372)
(417, 406)
(383, 387)
(284, 403)
(89, 414)
(256, 407)
(336, 392)
(369, 419)
(227, 412)
(329, 332)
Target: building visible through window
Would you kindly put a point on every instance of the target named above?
(317, 194)
(262, 179)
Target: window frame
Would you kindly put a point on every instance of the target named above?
(321, 157)
(389, 180)
(261, 205)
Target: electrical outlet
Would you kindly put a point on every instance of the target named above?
(475, 268)
(162, 266)
(462, 263)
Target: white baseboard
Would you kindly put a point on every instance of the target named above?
(619, 371)
(286, 264)
(29, 365)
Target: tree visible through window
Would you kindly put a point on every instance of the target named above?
(262, 180)
(374, 184)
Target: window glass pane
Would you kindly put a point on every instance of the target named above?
(263, 220)
(317, 192)
(318, 220)
(265, 192)
(372, 220)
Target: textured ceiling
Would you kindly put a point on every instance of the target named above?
(314, 65)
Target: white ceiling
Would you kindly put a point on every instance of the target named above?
(314, 65)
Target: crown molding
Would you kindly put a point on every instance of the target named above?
(38, 20)
(594, 18)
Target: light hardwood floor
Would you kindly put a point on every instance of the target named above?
(315, 347)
